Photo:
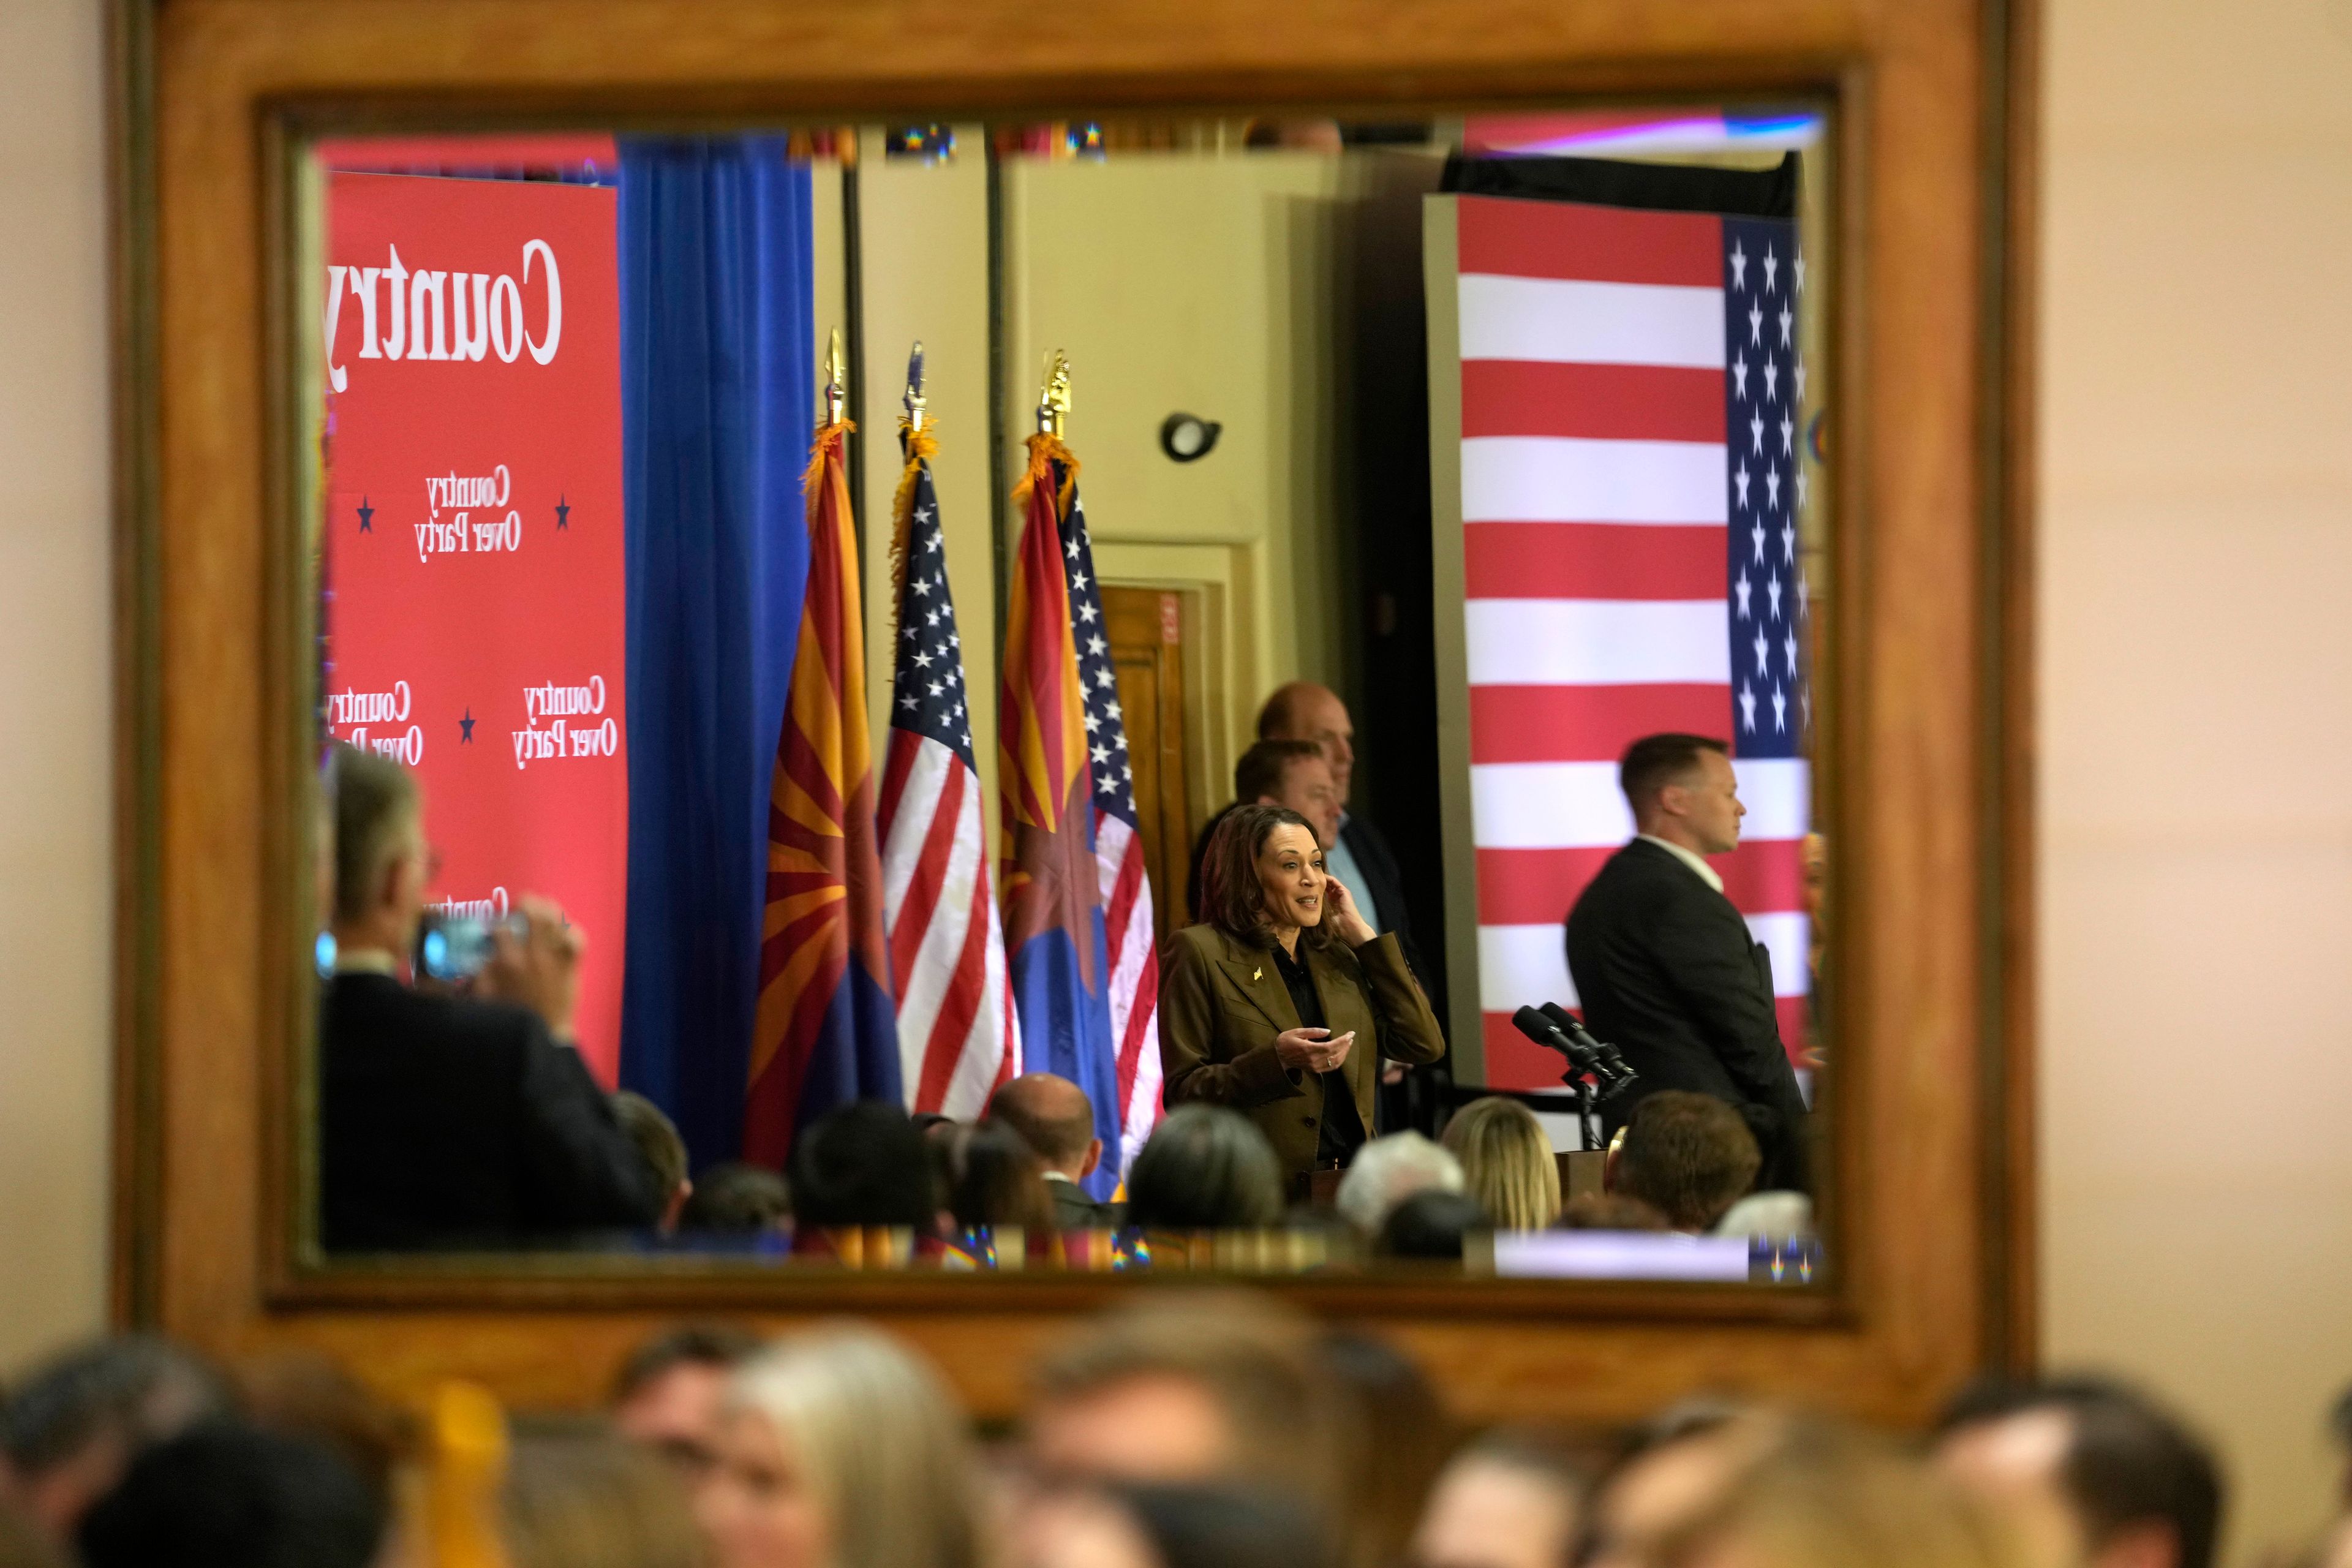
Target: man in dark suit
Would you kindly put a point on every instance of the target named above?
(447, 1122)
(1663, 963)
(1054, 1117)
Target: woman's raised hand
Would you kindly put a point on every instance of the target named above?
(1347, 922)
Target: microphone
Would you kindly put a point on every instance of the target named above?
(1545, 1033)
(1615, 1076)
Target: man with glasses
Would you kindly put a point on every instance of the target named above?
(450, 1123)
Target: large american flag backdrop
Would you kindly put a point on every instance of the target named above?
(1630, 488)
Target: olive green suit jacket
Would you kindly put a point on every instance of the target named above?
(1222, 1003)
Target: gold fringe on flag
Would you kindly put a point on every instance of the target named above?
(920, 446)
(1045, 450)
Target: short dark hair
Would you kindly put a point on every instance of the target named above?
(715, 1345)
(371, 795)
(2129, 1461)
(225, 1494)
(994, 1177)
(863, 1163)
(735, 1199)
(656, 1136)
(1232, 898)
(1204, 1168)
(1430, 1225)
(1689, 1157)
(1654, 761)
(1259, 771)
(137, 1386)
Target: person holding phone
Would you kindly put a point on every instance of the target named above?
(1283, 1003)
(451, 1121)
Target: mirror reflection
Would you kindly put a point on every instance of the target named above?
(1088, 695)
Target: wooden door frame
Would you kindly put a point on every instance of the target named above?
(1932, 774)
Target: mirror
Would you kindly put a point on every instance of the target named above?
(1035, 697)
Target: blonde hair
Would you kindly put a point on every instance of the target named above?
(1809, 1492)
(585, 1498)
(886, 1447)
(1506, 1162)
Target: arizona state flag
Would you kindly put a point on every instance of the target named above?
(825, 1032)
(1054, 937)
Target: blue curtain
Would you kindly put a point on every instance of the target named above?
(717, 381)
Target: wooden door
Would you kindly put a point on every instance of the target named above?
(1147, 653)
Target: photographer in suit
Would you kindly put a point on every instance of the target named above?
(447, 1122)
(1663, 963)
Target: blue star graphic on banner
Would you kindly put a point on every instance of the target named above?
(466, 724)
(367, 513)
(562, 514)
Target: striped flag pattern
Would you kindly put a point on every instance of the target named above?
(1054, 937)
(824, 1032)
(1631, 483)
(958, 1037)
(1119, 848)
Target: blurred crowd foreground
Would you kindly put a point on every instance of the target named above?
(1186, 1430)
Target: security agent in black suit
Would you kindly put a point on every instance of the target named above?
(448, 1123)
(1663, 963)
(1054, 1117)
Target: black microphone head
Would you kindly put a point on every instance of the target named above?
(1531, 1023)
(1562, 1019)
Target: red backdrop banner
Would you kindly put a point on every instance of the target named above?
(473, 625)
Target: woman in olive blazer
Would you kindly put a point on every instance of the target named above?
(1230, 1033)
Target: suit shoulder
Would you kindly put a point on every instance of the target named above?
(1200, 944)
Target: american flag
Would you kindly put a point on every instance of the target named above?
(1632, 475)
(1118, 850)
(958, 1038)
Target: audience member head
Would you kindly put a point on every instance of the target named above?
(304, 1393)
(841, 1451)
(1507, 1162)
(1262, 874)
(862, 1163)
(1055, 1117)
(1689, 1157)
(227, 1494)
(585, 1498)
(2120, 1481)
(381, 861)
(1682, 790)
(1204, 1168)
(668, 1394)
(1431, 1226)
(1293, 773)
(1394, 1433)
(1511, 1499)
(656, 1136)
(1165, 1527)
(1803, 1493)
(1192, 1388)
(1304, 711)
(1772, 1217)
(1388, 1170)
(69, 1431)
(1609, 1211)
(736, 1199)
(994, 1178)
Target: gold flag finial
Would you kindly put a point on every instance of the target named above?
(836, 380)
(1053, 398)
(915, 399)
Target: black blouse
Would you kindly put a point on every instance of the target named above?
(1341, 1127)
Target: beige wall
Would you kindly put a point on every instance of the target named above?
(55, 693)
(2196, 690)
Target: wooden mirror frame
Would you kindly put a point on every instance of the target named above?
(1933, 1179)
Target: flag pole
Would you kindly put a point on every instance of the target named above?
(1053, 396)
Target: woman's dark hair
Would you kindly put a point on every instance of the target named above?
(1232, 898)
(995, 1178)
(1204, 1168)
